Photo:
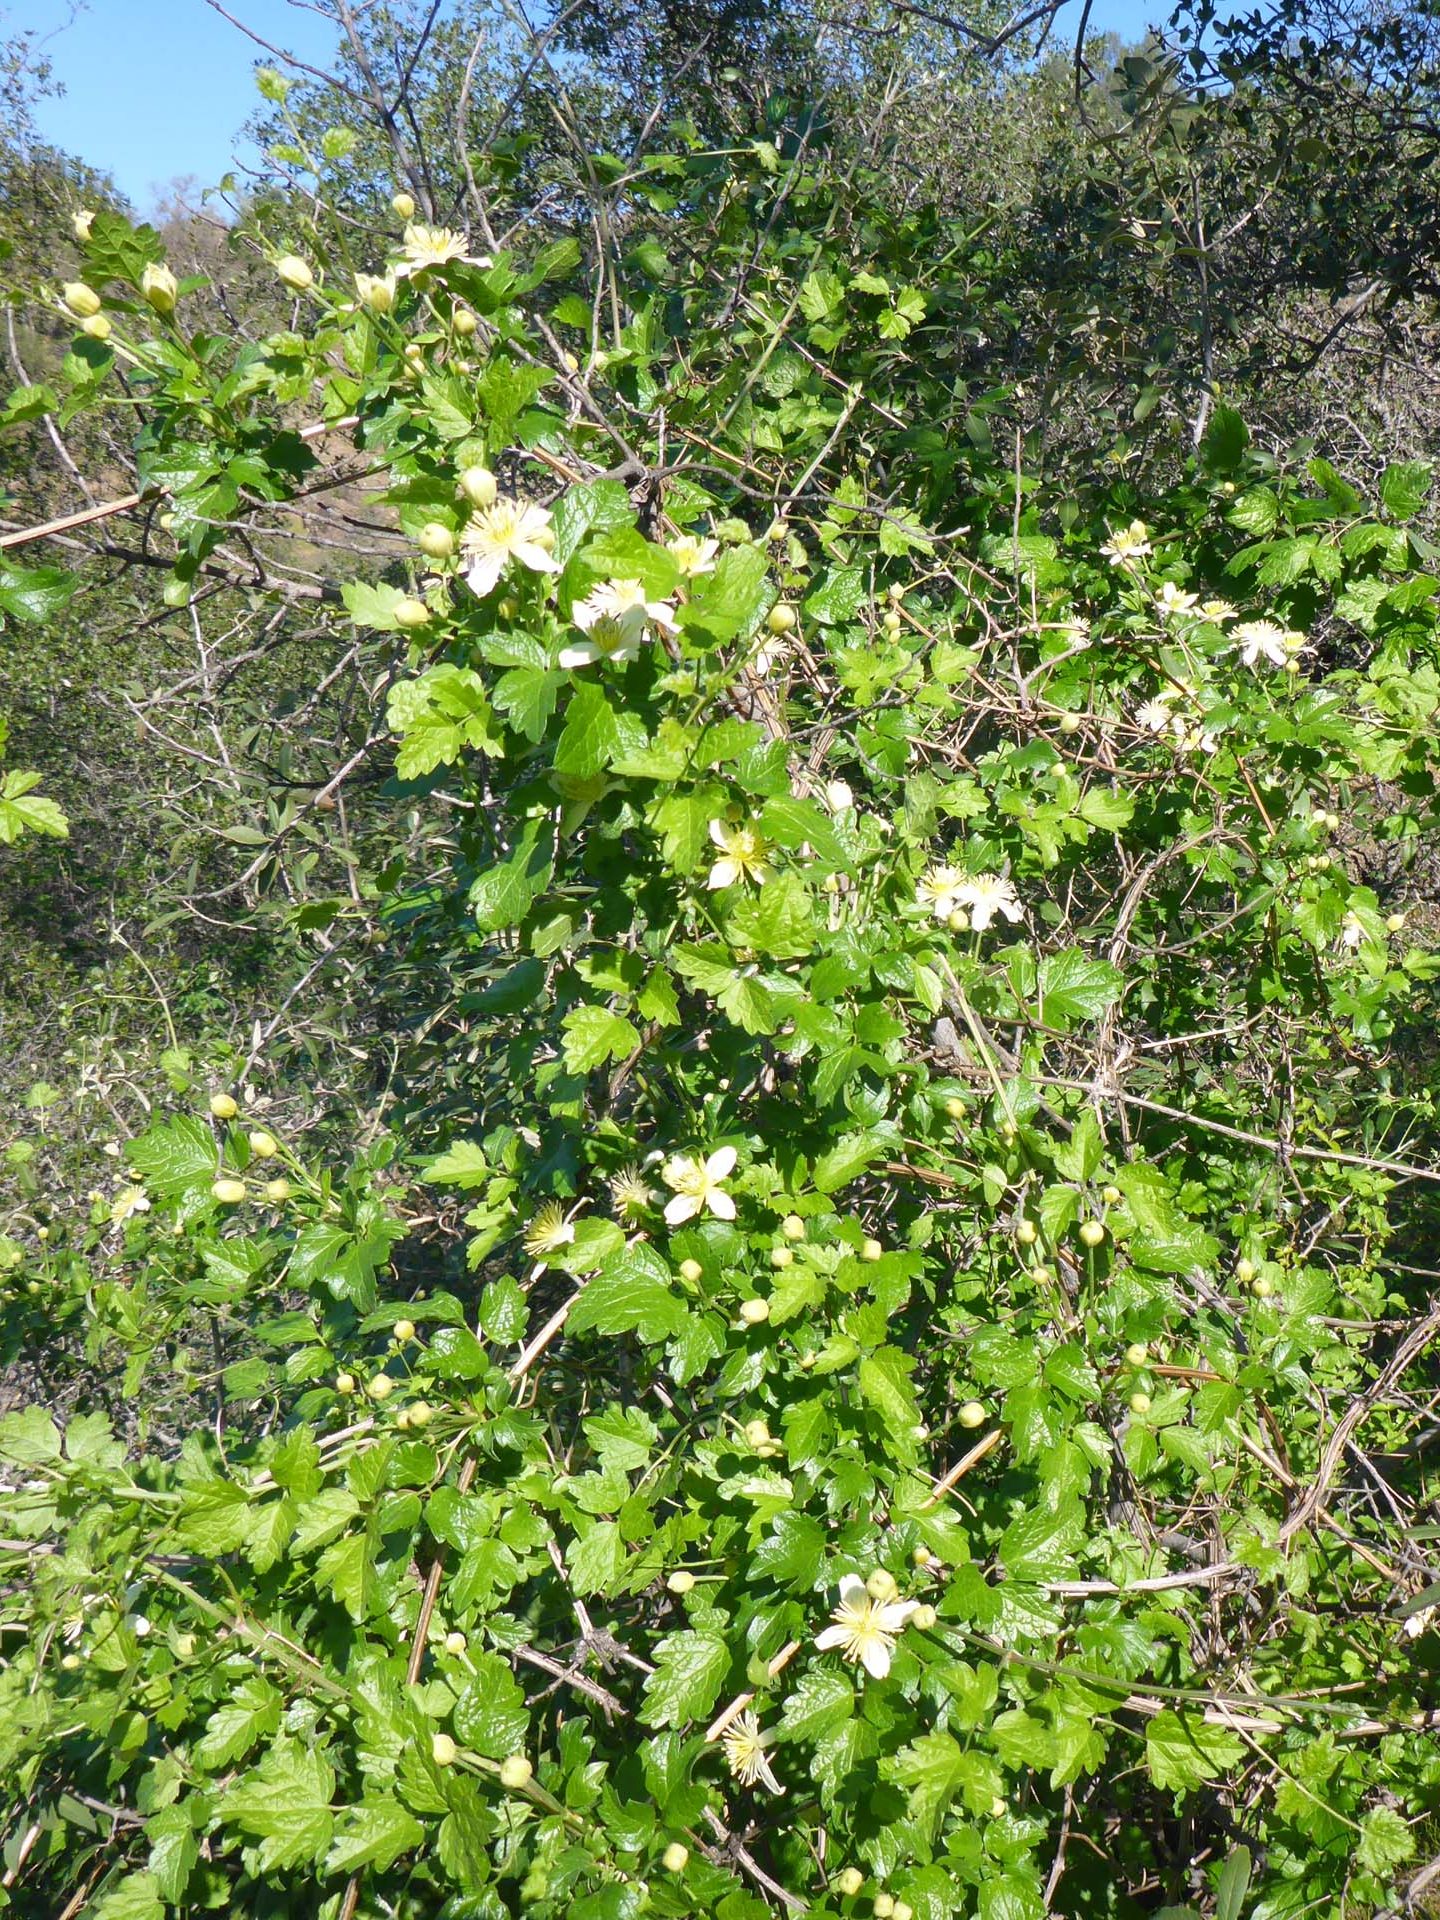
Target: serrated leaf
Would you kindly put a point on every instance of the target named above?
(631, 1294)
(689, 1671)
(285, 1805)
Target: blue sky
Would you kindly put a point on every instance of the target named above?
(158, 89)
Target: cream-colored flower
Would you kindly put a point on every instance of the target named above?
(1127, 543)
(631, 1193)
(1261, 640)
(1192, 737)
(1173, 602)
(1352, 932)
(80, 221)
(510, 530)
(771, 652)
(433, 247)
(938, 890)
(692, 554)
(742, 855)
(696, 1185)
(1075, 630)
(548, 1231)
(744, 1747)
(616, 619)
(986, 894)
(607, 638)
(128, 1201)
(839, 796)
(865, 1629)
(1217, 610)
(1155, 715)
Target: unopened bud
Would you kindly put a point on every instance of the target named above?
(404, 205)
(160, 287)
(80, 221)
(443, 1750)
(80, 299)
(411, 613)
(295, 272)
(436, 540)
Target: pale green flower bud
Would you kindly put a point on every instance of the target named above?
(80, 299)
(295, 272)
(160, 287)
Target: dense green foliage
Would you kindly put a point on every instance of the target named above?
(772, 1249)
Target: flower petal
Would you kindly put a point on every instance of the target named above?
(682, 1208)
(875, 1657)
(484, 572)
(720, 1204)
(583, 654)
(853, 1592)
(536, 558)
(724, 873)
(721, 1163)
(720, 834)
(832, 1637)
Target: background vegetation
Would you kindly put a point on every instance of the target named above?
(852, 1002)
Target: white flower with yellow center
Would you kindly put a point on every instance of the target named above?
(607, 638)
(1127, 544)
(696, 1185)
(1352, 931)
(865, 1629)
(772, 651)
(615, 619)
(1155, 715)
(1192, 737)
(986, 894)
(744, 1747)
(1262, 640)
(511, 530)
(1217, 610)
(427, 247)
(548, 1231)
(630, 1193)
(938, 890)
(742, 855)
(692, 554)
(1173, 603)
(128, 1201)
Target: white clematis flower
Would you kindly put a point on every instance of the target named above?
(742, 855)
(511, 530)
(435, 247)
(744, 1747)
(697, 1187)
(865, 1629)
(938, 890)
(1127, 543)
(1173, 602)
(1262, 640)
(986, 894)
(692, 554)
